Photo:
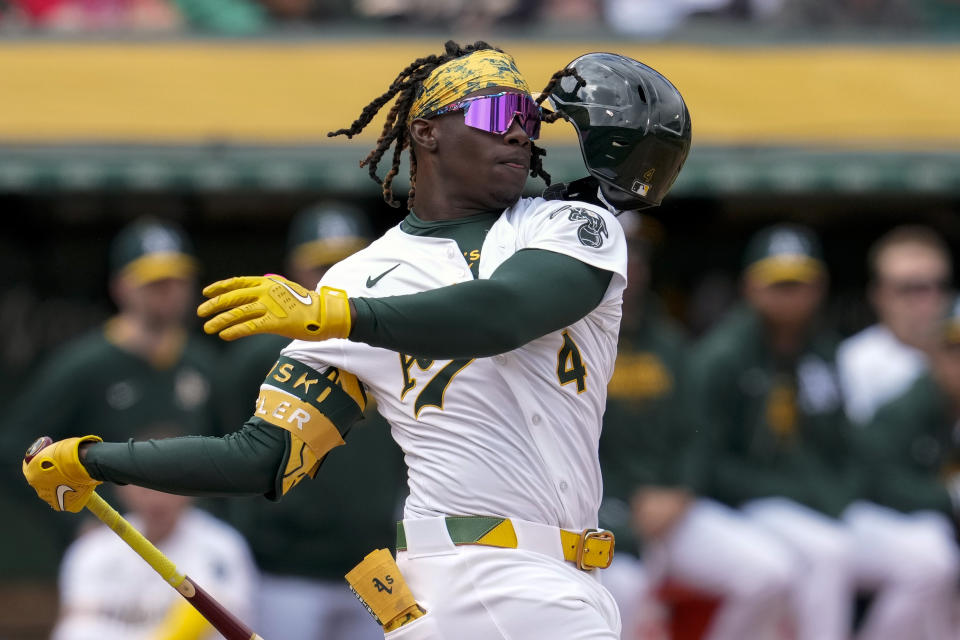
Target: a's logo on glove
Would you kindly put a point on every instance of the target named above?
(61, 491)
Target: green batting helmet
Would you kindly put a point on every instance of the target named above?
(633, 126)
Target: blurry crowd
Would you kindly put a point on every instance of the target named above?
(638, 18)
(768, 480)
(772, 481)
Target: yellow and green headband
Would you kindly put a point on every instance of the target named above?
(459, 78)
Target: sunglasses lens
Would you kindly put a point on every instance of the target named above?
(496, 114)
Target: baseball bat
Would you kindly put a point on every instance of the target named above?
(229, 626)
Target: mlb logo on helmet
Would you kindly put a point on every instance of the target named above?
(641, 186)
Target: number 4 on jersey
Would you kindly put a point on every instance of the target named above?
(570, 366)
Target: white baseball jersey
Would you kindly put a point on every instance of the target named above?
(108, 592)
(511, 435)
(874, 368)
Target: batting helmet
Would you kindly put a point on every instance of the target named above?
(633, 126)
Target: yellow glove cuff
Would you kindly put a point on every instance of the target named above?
(58, 477)
(336, 312)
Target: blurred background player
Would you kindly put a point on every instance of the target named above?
(307, 542)
(766, 391)
(910, 268)
(913, 452)
(107, 591)
(653, 472)
(143, 368)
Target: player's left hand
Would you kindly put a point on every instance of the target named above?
(57, 475)
(248, 305)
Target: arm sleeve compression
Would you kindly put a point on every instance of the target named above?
(241, 463)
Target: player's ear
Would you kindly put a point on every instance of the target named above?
(424, 134)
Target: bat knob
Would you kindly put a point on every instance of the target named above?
(38, 445)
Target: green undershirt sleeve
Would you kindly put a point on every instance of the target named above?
(531, 294)
(238, 464)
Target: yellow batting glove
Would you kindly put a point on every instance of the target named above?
(248, 305)
(56, 474)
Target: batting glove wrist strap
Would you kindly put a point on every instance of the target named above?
(378, 584)
(57, 475)
(250, 305)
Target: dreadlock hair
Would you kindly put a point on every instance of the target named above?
(536, 161)
(395, 131)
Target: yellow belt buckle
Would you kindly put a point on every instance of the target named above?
(593, 534)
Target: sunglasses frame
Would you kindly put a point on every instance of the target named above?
(464, 105)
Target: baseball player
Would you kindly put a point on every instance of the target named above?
(910, 269)
(346, 511)
(141, 369)
(485, 327)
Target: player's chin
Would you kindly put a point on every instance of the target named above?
(505, 193)
(504, 199)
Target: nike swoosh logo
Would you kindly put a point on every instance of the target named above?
(307, 300)
(371, 282)
(61, 491)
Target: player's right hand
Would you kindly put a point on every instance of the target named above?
(57, 475)
(249, 305)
